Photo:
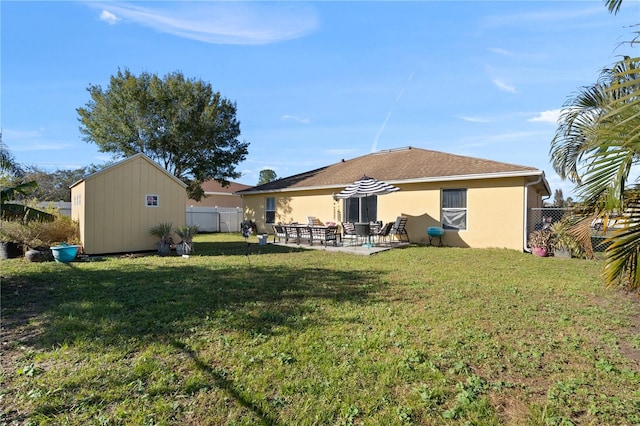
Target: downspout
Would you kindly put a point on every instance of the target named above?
(526, 211)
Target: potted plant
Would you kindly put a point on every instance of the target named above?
(163, 232)
(12, 236)
(186, 233)
(541, 242)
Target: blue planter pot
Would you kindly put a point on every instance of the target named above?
(64, 254)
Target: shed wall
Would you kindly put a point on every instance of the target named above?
(116, 218)
(78, 201)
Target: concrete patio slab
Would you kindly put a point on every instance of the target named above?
(361, 250)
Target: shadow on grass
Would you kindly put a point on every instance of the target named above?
(129, 304)
(242, 248)
(163, 302)
(223, 383)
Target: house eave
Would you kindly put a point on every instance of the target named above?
(296, 189)
(479, 176)
(431, 179)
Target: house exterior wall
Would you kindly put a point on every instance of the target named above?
(114, 217)
(495, 210)
(294, 206)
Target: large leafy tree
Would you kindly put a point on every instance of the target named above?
(180, 123)
(266, 176)
(596, 145)
(54, 186)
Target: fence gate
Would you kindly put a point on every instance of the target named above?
(212, 219)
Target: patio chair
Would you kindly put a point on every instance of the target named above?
(313, 221)
(383, 233)
(324, 234)
(291, 233)
(349, 231)
(398, 228)
(304, 234)
(279, 233)
(375, 227)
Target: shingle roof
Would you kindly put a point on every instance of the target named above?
(396, 165)
(215, 186)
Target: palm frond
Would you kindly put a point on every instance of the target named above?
(621, 261)
(613, 5)
(14, 211)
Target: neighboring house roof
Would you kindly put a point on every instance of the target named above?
(402, 165)
(213, 187)
(133, 157)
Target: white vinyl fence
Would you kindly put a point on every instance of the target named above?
(208, 219)
(215, 219)
(63, 206)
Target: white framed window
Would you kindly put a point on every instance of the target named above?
(152, 200)
(454, 209)
(270, 210)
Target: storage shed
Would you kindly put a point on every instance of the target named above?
(116, 206)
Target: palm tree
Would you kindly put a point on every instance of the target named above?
(7, 162)
(596, 145)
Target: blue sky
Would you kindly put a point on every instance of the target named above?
(316, 82)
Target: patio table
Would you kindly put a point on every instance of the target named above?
(364, 230)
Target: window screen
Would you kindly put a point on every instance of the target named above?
(270, 210)
(454, 208)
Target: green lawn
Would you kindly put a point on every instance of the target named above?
(419, 335)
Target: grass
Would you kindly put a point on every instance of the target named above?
(420, 335)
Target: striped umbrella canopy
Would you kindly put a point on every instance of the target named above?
(366, 186)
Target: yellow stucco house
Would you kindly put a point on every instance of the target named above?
(116, 206)
(479, 203)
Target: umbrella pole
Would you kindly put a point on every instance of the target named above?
(366, 208)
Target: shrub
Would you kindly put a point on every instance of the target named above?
(41, 234)
(543, 238)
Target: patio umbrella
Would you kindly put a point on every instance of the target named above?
(364, 187)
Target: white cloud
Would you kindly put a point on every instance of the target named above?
(31, 140)
(475, 119)
(504, 86)
(9, 134)
(295, 118)
(251, 23)
(500, 51)
(108, 17)
(550, 116)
